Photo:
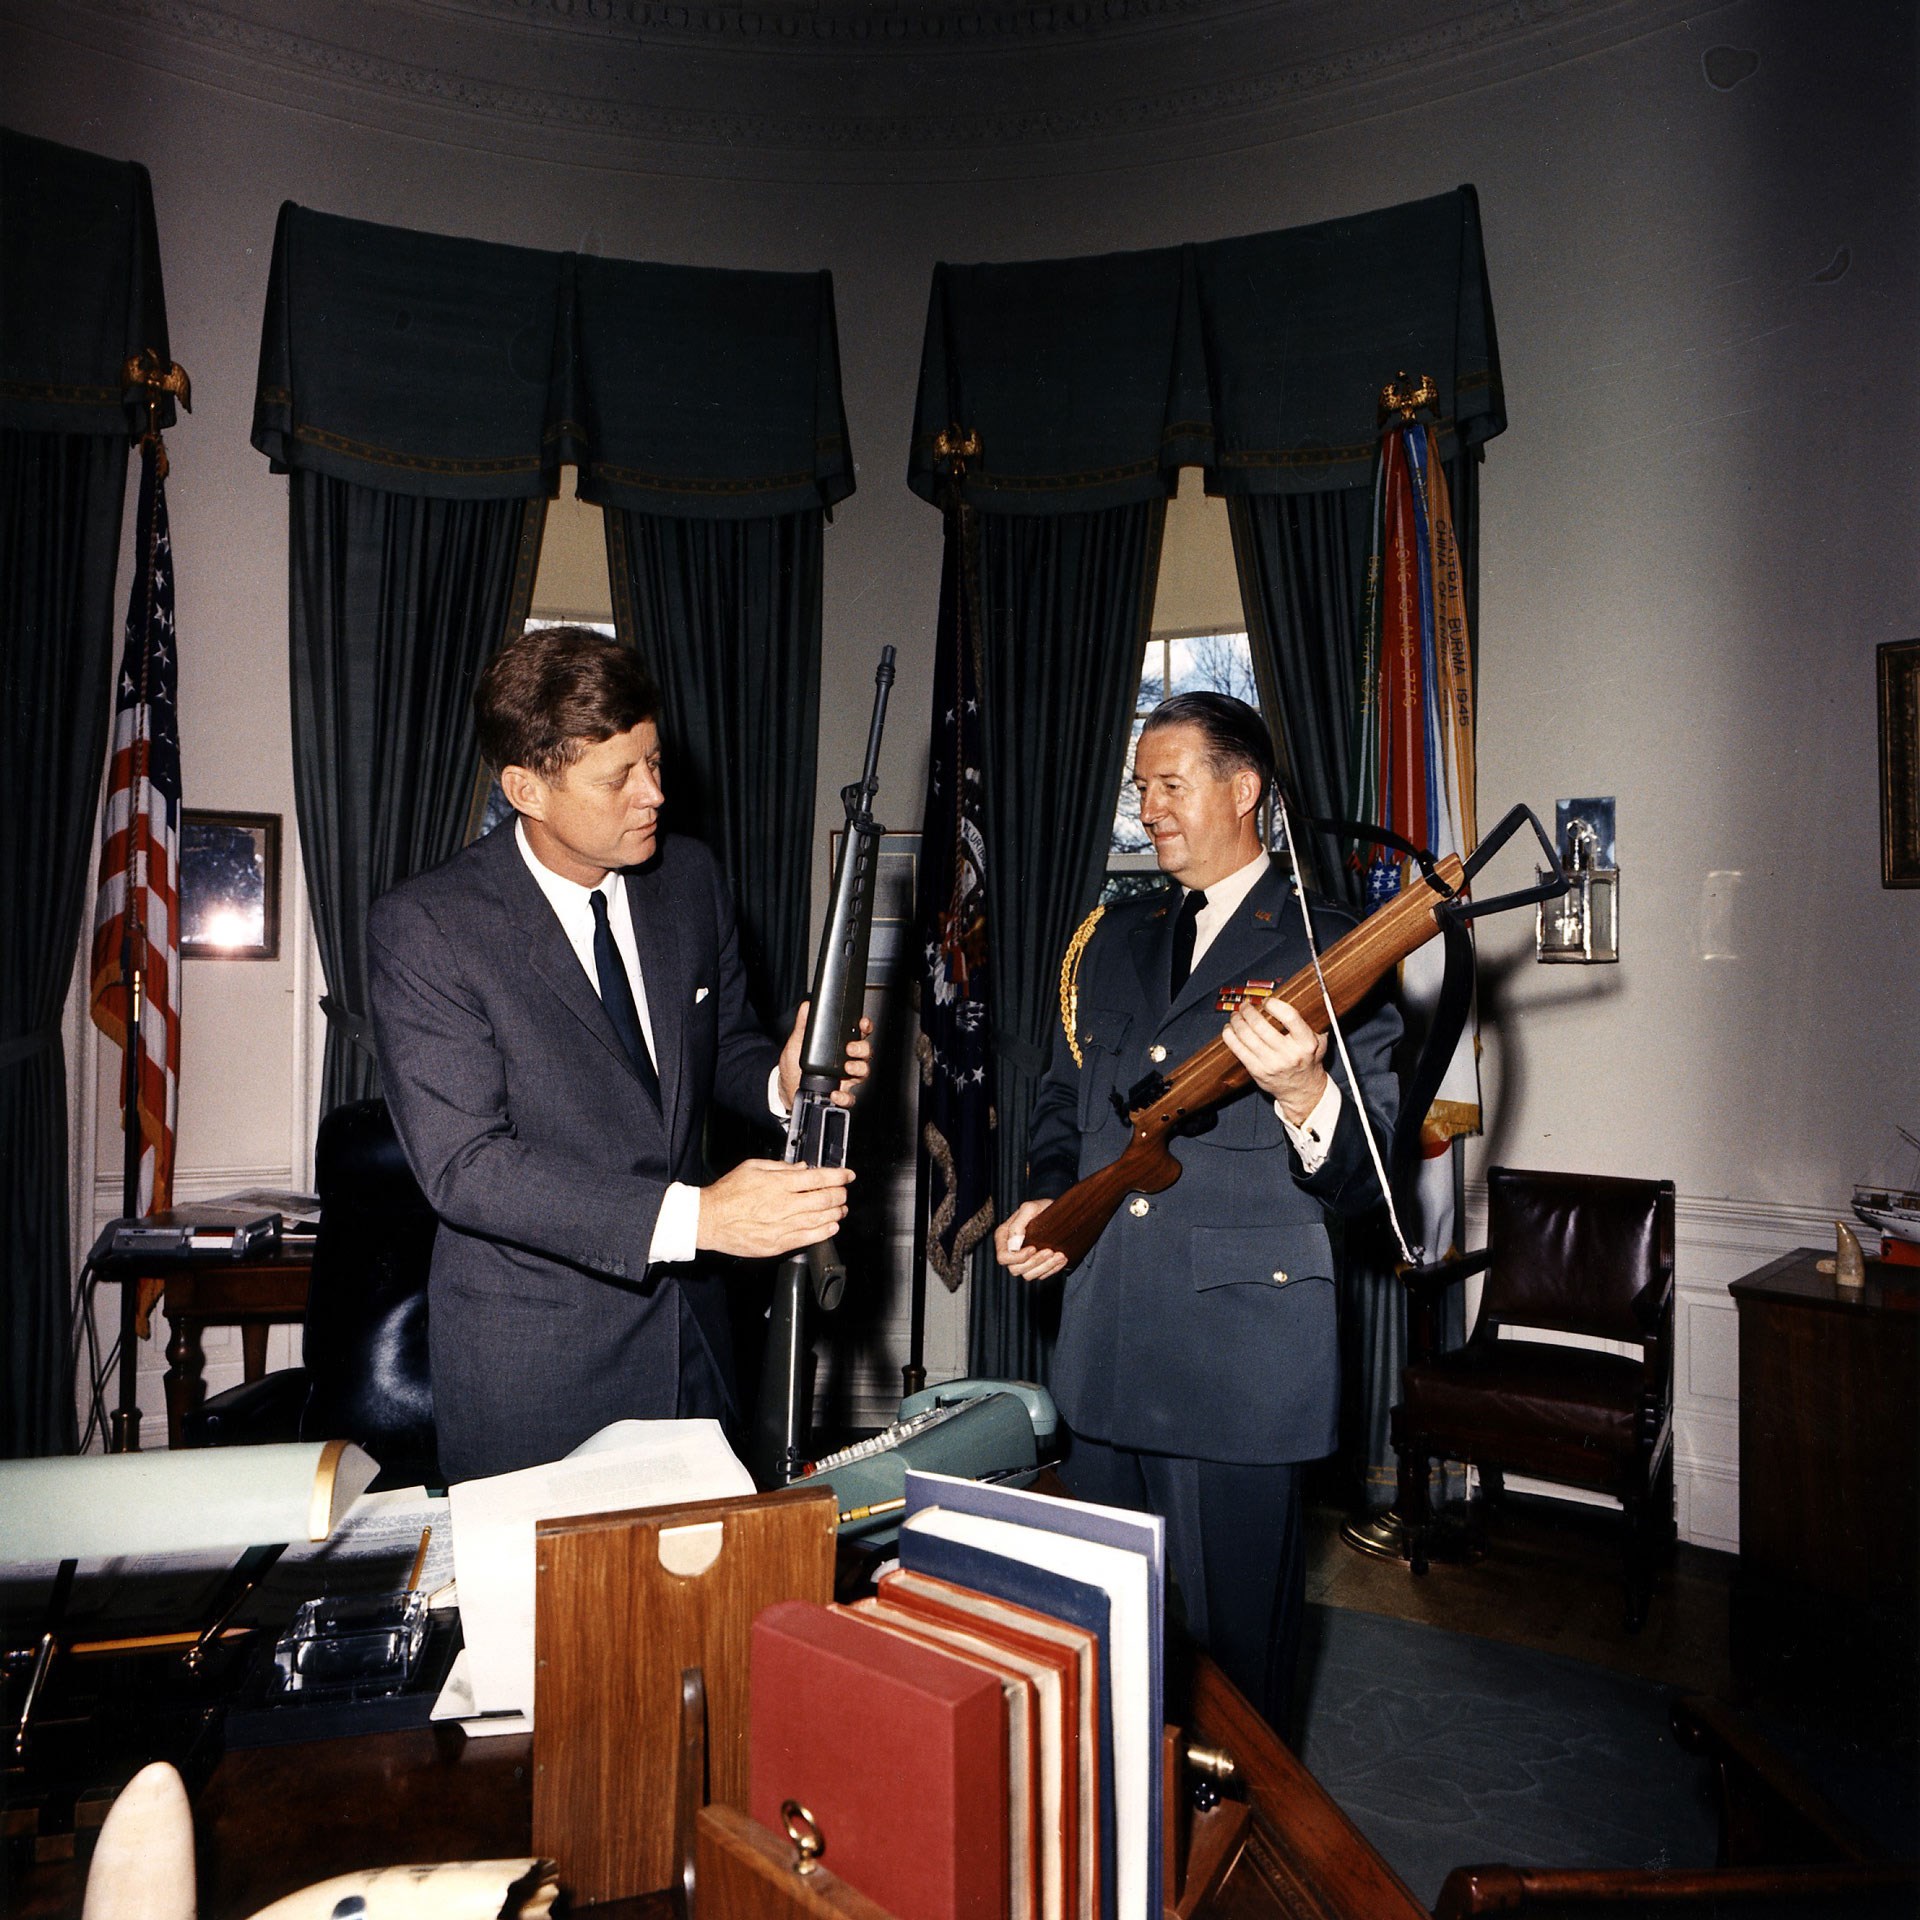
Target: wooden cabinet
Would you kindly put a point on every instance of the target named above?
(1829, 1467)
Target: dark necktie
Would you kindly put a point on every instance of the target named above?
(1185, 923)
(616, 995)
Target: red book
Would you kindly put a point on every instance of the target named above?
(899, 1751)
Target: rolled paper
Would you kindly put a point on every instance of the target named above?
(143, 1861)
(439, 1890)
(222, 1499)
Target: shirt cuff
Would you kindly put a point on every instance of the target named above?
(775, 1105)
(676, 1228)
(1313, 1138)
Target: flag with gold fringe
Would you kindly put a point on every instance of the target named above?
(136, 921)
(1414, 751)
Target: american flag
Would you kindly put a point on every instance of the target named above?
(136, 917)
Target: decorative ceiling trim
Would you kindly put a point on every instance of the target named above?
(1069, 105)
(838, 26)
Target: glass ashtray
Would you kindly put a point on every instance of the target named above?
(360, 1646)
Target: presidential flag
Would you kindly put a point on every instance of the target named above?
(956, 1095)
(136, 918)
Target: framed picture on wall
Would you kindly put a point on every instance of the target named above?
(229, 885)
(1900, 763)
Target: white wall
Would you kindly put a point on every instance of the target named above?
(1700, 523)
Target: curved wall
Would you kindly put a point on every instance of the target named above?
(1700, 523)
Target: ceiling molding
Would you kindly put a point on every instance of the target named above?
(719, 88)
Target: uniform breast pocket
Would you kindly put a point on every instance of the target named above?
(1260, 1256)
(1103, 1039)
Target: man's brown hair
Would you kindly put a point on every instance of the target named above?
(553, 692)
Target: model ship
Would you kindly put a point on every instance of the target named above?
(1894, 1210)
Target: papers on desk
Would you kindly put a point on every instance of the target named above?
(631, 1464)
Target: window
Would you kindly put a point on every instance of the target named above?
(1210, 662)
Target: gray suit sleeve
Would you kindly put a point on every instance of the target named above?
(446, 1084)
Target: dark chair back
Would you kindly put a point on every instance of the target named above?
(366, 1340)
(1575, 1252)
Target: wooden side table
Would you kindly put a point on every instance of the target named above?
(1829, 1466)
(250, 1294)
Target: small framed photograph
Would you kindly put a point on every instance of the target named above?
(891, 948)
(229, 885)
(1900, 763)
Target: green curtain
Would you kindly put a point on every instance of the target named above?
(424, 363)
(1302, 560)
(726, 615)
(61, 498)
(396, 604)
(1065, 603)
(80, 269)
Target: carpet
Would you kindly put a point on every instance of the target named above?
(1450, 1751)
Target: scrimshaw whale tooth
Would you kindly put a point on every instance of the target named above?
(142, 1865)
(440, 1890)
(1848, 1265)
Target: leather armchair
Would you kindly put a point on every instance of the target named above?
(1568, 1253)
(365, 1377)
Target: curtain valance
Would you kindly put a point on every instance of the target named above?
(1259, 359)
(423, 364)
(80, 260)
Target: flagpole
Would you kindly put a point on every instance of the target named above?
(123, 1429)
(154, 377)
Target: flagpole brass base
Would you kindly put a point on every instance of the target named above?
(1454, 1538)
(1381, 1535)
(123, 1431)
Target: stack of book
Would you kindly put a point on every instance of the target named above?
(981, 1740)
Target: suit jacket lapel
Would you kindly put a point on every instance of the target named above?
(549, 951)
(657, 941)
(1152, 944)
(1245, 942)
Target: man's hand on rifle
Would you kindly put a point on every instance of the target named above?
(765, 1208)
(858, 1064)
(1019, 1259)
(1281, 1053)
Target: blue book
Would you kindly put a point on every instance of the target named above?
(1081, 1603)
(1141, 1533)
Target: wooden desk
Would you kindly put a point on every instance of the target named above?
(250, 1294)
(275, 1819)
(1829, 1466)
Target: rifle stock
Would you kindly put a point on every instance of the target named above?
(1351, 966)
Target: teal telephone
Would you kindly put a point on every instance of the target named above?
(977, 1429)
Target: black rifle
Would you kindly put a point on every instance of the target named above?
(817, 1134)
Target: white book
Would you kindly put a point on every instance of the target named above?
(1125, 1578)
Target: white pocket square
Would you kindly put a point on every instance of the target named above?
(699, 994)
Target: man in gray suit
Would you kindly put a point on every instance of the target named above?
(1197, 1364)
(555, 1009)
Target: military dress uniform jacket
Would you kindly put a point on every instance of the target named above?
(546, 1159)
(1202, 1322)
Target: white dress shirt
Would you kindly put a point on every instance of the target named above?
(1313, 1138)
